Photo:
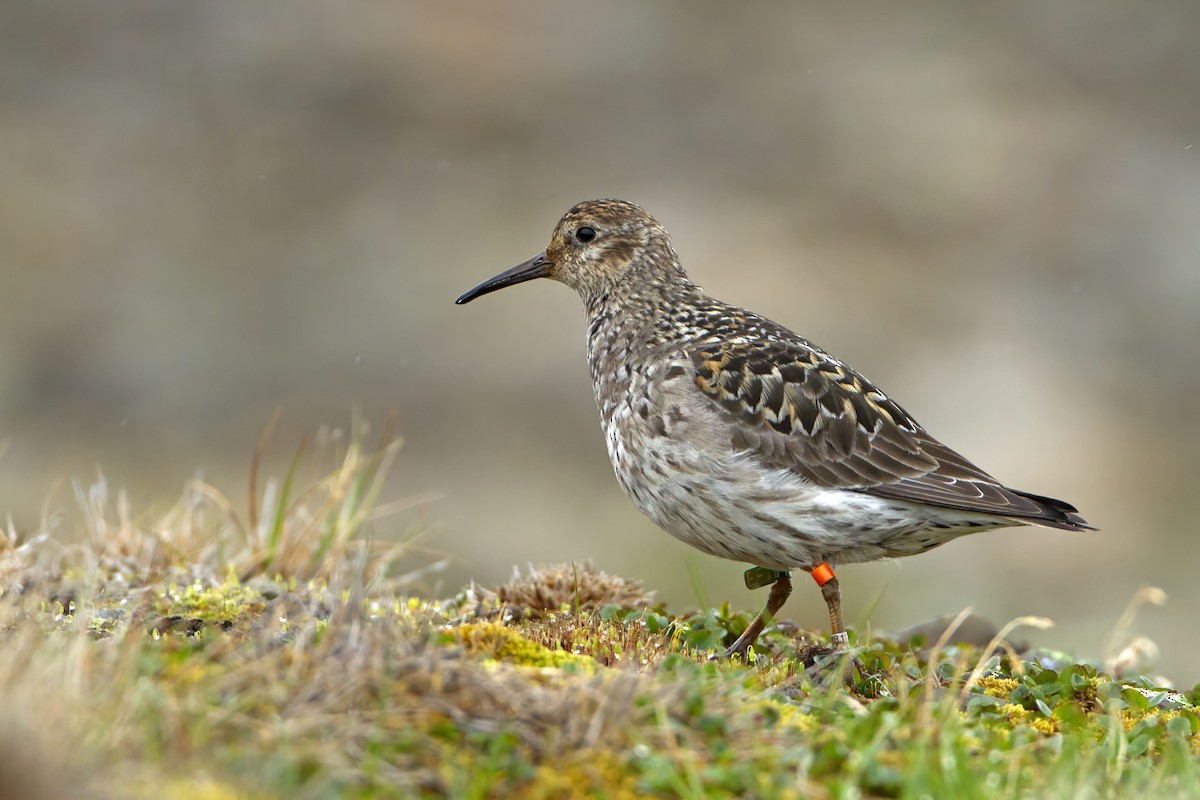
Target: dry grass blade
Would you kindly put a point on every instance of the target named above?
(1041, 623)
(1124, 650)
(935, 657)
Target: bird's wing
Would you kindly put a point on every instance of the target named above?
(801, 409)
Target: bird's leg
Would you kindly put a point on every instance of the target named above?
(780, 589)
(832, 592)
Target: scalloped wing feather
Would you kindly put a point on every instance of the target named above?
(800, 409)
(805, 411)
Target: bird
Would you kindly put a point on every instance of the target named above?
(747, 441)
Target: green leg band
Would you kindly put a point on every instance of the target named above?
(758, 577)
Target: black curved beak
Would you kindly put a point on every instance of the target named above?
(536, 267)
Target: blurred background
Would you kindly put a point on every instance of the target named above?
(212, 210)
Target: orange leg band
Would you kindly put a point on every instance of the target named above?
(823, 574)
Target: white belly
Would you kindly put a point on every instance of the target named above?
(732, 506)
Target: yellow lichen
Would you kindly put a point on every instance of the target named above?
(789, 716)
(997, 687)
(1045, 725)
(199, 789)
(583, 774)
(1131, 717)
(1015, 713)
(1019, 715)
(495, 641)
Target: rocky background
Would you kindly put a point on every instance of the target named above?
(209, 211)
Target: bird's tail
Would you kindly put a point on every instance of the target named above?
(1055, 513)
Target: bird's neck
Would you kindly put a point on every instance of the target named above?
(629, 328)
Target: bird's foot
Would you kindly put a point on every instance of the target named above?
(828, 665)
(739, 648)
(730, 652)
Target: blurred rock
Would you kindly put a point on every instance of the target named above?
(211, 210)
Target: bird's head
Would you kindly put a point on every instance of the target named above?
(598, 247)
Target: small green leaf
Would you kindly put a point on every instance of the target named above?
(1138, 745)
(1179, 726)
(1135, 699)
(1046, 676)
(983, 701)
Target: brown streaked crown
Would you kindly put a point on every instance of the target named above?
(602, 245)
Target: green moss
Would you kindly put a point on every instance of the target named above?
(330, 691)
(217, 603)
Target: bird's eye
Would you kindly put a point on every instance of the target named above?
(585, 234)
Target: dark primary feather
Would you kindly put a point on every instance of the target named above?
(803, 410)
